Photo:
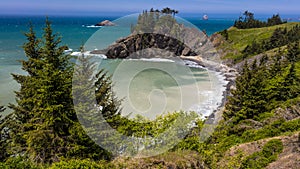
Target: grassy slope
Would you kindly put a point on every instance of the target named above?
(272, 126)
(240, 38)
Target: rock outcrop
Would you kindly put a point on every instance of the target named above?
(105, 23)
(135, 46)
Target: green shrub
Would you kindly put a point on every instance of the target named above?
(293, 125)
(18, 163)
(262, 158)
(80, 164)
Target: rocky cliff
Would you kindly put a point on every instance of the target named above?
(148, 45)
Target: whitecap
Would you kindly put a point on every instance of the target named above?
(88, 53)
(93, 26)
(157, 60)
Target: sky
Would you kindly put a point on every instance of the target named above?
(90, 7)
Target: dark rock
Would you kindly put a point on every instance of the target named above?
(131, 45)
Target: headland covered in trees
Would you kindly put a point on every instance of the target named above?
(258, 129)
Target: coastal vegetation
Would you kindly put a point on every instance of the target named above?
(279, 38)
(259, 126)
(151, 21)
(248, 21)
(238, 42)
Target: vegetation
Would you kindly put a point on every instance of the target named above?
(234, 49)
(262, 158)
(45, 131)
(248, 21)
(44, 126)
(260, 88)
(224, 33)
(280, 37)
(3, 145)
(148, 22)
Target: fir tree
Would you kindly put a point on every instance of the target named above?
(235, 102)
(44, 126)
(293, 54)
(44, 107)
(95, 105)
(3, 144)
(291, 84)
(21, 117)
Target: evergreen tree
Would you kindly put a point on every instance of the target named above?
(291, 84)
(248, 21)
(96, 105)
(235, 102)
(293, 54)
(44, 123)
(255, 98)
(21, 117)
(3, 137)
(248, 100)
(44, 110)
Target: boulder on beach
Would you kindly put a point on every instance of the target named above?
(105, 23)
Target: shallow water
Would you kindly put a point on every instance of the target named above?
(152, 88)
(75, 32)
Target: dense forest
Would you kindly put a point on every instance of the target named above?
(44, 131)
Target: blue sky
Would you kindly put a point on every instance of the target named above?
(89, 7)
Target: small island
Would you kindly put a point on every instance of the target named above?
(105, 23)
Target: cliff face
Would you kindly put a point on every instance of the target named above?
(135, 46)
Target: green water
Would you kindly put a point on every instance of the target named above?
(154, 88)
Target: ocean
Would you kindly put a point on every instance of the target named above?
(75, 31)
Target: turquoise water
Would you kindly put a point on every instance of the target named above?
(72, 29)
(75, 31)
(152, 88)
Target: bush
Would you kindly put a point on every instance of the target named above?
(80, 164)
(18, 163)
(262, 158)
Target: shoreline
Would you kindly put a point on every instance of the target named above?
(229, 76)
(225, 75)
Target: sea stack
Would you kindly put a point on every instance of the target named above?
(105, 23)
